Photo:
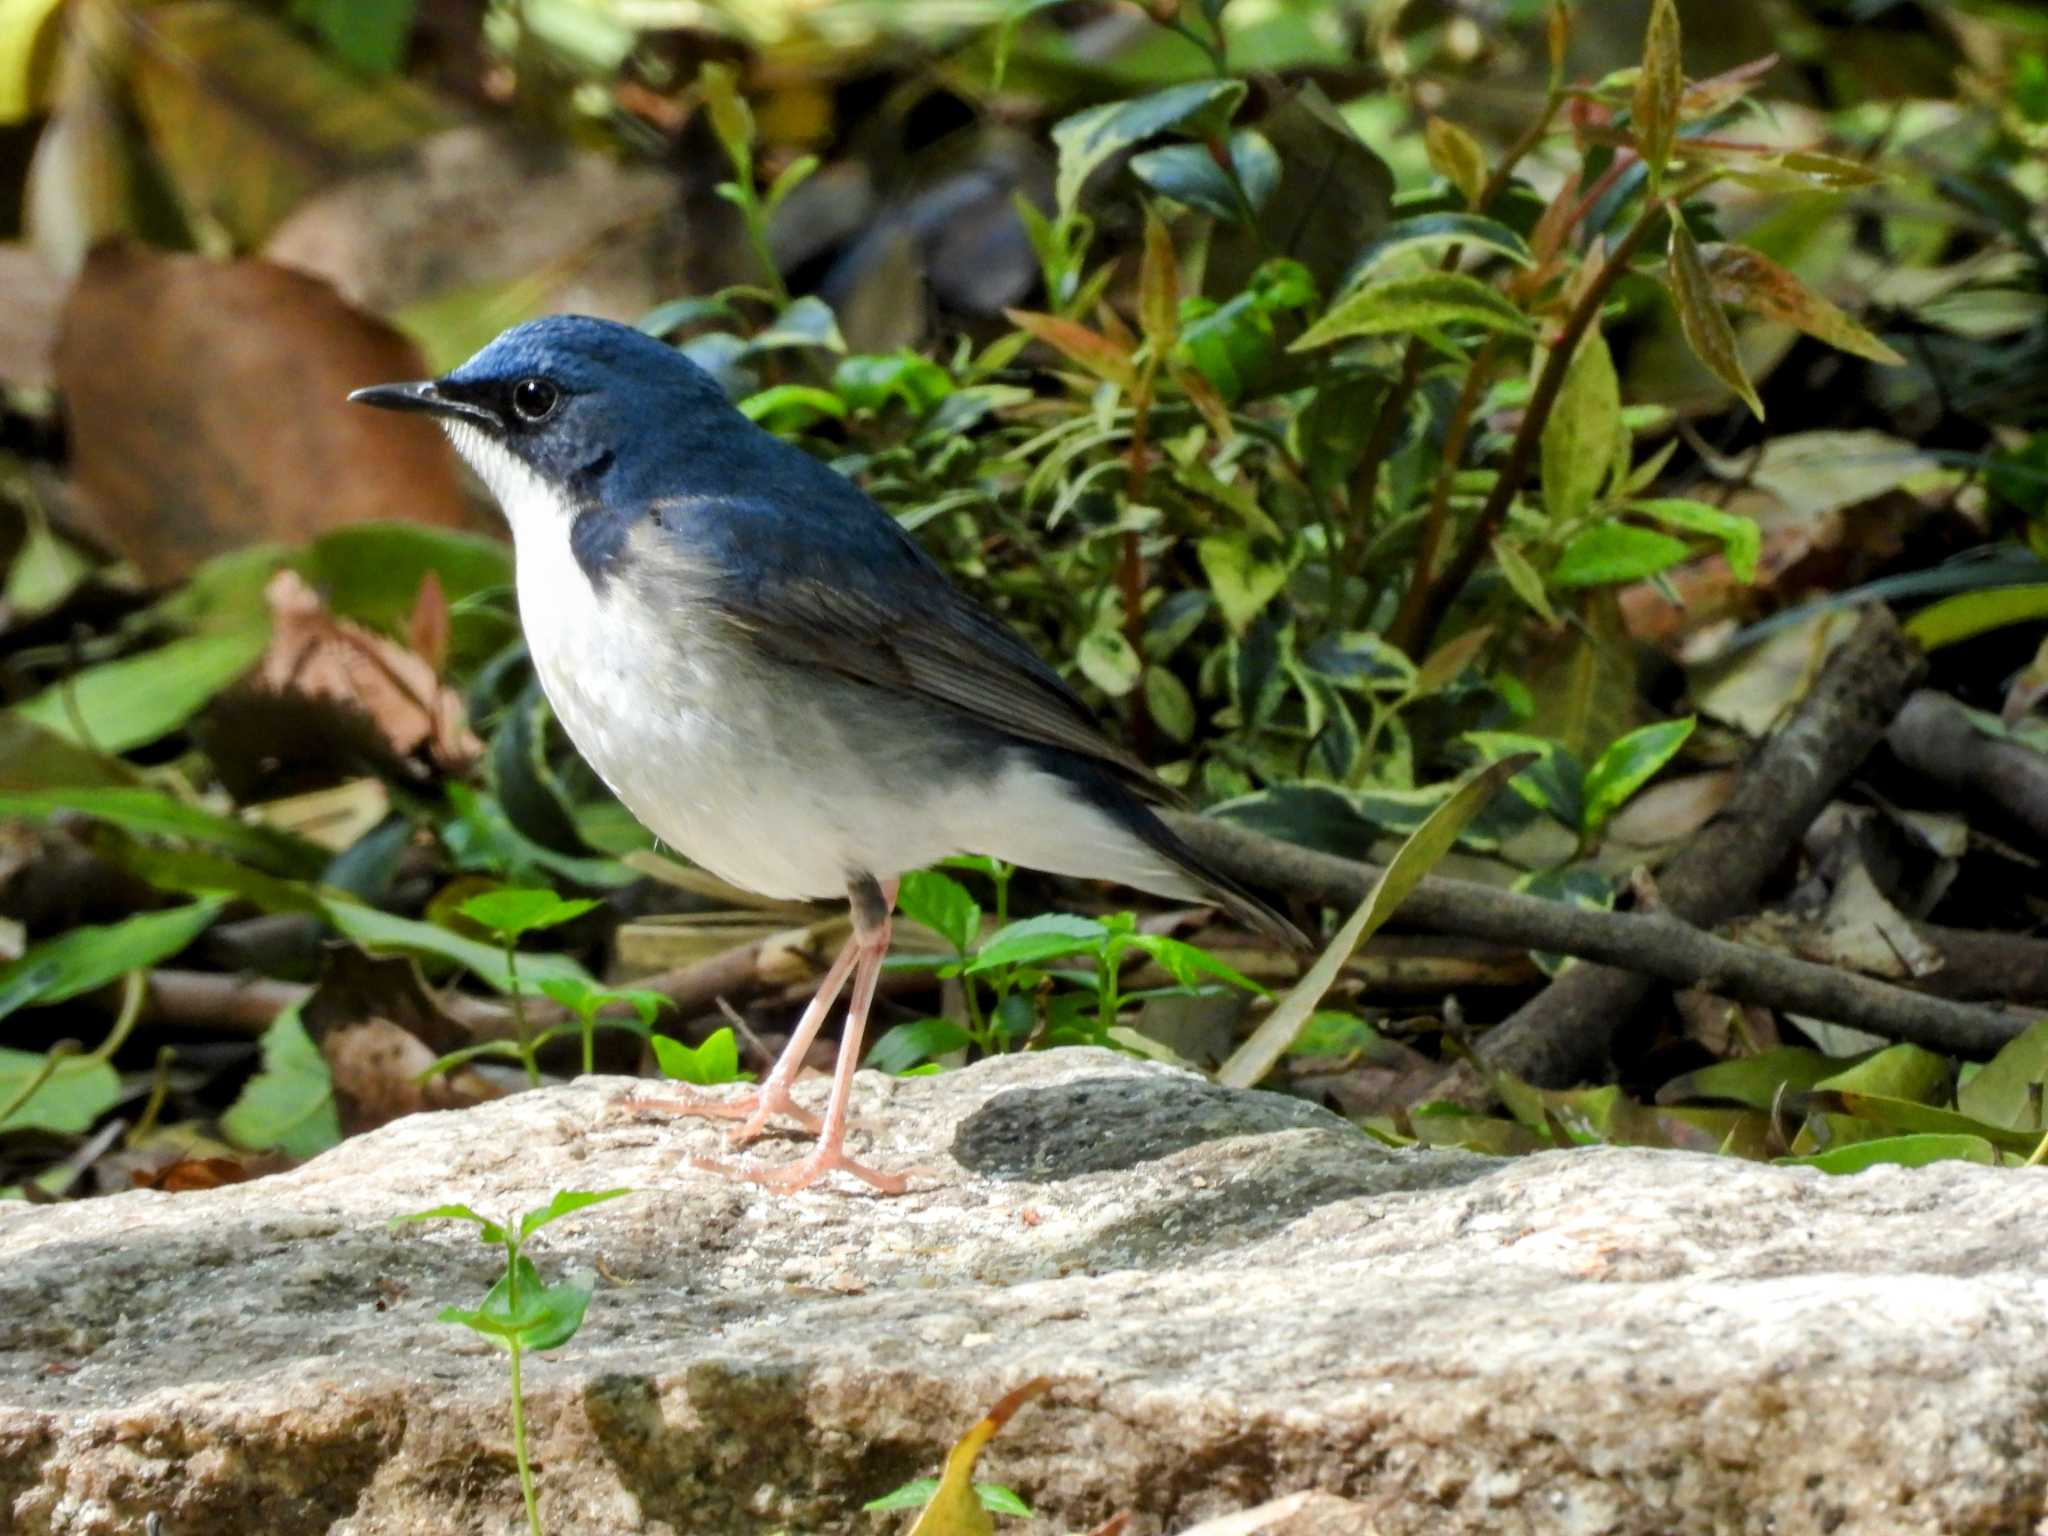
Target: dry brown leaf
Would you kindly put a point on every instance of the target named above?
(314, 654)
(208, 410)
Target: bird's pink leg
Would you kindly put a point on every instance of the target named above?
(870, 946)
(772, 1097)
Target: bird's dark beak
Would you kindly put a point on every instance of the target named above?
(428, 396)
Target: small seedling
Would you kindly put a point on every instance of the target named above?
(953, 1504)
(586, 1000)
(521, 1312)
(509, 915)
(716, 1061)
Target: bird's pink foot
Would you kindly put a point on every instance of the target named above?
(806, 1171)
(754, 1109)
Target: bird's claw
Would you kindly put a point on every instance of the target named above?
(806, 1171)
(754, 1109)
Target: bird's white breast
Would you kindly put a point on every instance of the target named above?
(775, 778)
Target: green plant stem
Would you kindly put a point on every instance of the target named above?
(1479, 537)
(589, 1021)
(43, 1073)
(1131, 564)
(519, 1025)
(519, 1442)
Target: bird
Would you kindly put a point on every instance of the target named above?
(775, 677)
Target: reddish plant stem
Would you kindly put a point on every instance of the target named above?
(1409, 617)
(1366, 479)
(1445, 589)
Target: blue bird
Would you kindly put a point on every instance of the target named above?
(772, 675)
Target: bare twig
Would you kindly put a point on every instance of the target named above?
(1933, 735)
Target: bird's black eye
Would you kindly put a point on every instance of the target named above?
(535, 399)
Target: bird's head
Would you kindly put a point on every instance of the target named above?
(565, 412)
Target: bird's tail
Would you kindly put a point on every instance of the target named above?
(1214, 885)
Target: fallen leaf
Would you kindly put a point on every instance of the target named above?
(208, 410)
(314, 654)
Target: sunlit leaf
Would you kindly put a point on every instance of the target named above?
(1523, 579)
(716, 1061)
(1578, 438)
(1741, 538)
(1169, 704)
(1968, 614)
(1613, 552)
(1438, 231)
(87, 957)
(1914, 1151)
(909, 1045)
(955, 1508)
(116, 706)
(1630, 763)
(511, 913)
(74, 1092)
(564, 1203)
(1762, 1081)
(1108, 661)
(943, 905)
(1038, 939)
(289, 1104)
(1245, 573)
(1406, 304)
(1456, 156)
(2007, 1090)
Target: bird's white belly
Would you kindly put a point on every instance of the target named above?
(717, 764)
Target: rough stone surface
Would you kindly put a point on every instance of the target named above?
(1236, 1296)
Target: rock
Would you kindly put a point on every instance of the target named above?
(1236, 1296)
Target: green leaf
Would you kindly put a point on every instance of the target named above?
(1245, 573)
(1401, 305)
(792, 407)
(1915, 1151)
(1092, 138)
(546, 1315)
(1700, 316)
(87, 958)
(152, 812)
(1969, 614)
(1578, 438)
(1437, 231)
(1523, 579)
(514, 912)
(48, 569)
(908, 1045)
(1189, 175)
(665, 319)
(732, 120)
(1742, 541)
(1361, 661)
(1456, 156)
(716, 1061)
(1613, 552)
(565, 1202)
(1169, 704)
(367, 35)
(1659, 88)
(487, 1230)
(289, 1104)
(870, 382)
(2006, 1090)
(117, 706)
(1107, 660)
(1630, 763)
(1251, 1061)
(385, 932)
(1907, 1072)
(912, 1495)
(1554, 783)
(807, 322)
(943, 905)
(1787, 1072)
(77, 1091)
(1189, 964)
(1038, 939)
(27, 44)
(793, 175)
(1910, 1116)
(1748, 280)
